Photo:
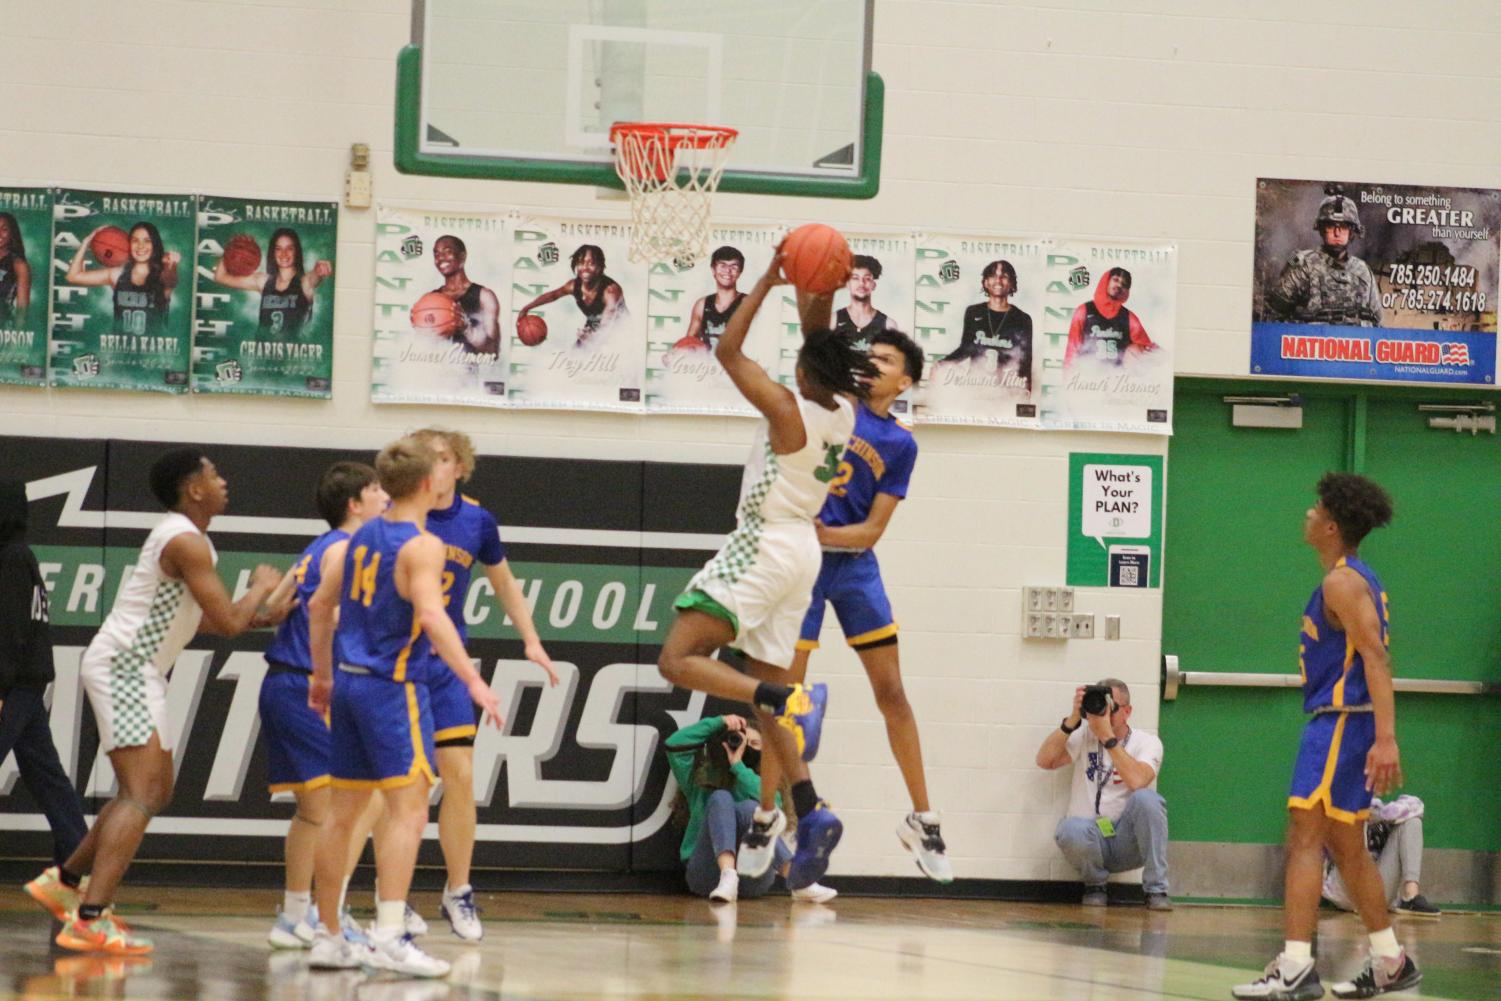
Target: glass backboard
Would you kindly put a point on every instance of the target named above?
(528, 89)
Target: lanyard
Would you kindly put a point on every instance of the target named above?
(1104, 775)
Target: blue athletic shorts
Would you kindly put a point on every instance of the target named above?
(454, 713)
(296, 738)
(851, 582)
(1331, 766)
(382, 732)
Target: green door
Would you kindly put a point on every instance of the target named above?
(1237, 575)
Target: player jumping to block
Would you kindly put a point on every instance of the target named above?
(753, 593)
(872, 480)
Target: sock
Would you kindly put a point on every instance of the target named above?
(295, 905)
(763, 816)
(390, 916)
(70, 879)
(88, 912)
(772, 698)
(1298, 952)
(454, 894)
(1384, 944)
(804, 799)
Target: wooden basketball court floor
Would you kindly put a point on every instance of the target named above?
(539, 947)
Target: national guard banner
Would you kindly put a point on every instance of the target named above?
(687, 310)
(579, 336)
(576, 779)
(440, 282)
(122, 303)
(1108, 326)
(978, 307)
(25, 255)
(265, 300)
(1388, 282)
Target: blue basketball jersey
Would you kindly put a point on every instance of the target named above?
(1333, 670)
(377, 629)
(290, 646)
(878, 459)
(469, 533)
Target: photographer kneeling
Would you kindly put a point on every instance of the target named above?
(715, 762)
(1115, 821)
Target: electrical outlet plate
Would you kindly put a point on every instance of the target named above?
(358, 189)
(1081, 626)
(1046, 613)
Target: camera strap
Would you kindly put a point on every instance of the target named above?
(1103, 776)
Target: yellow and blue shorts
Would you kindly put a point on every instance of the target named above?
(296, 738)
(1331, 766)
(454, 713)
(851, 582)
(381, 730)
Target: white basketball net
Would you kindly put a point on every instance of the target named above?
(670, 173)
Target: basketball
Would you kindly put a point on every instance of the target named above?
(436, 314)
(242, 255)
(815, 258)
(531, 330)
(690, 343)
(110, 246)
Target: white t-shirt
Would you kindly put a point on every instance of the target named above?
(793, 487)
(1094, 772)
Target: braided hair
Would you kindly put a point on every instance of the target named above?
(831, 360)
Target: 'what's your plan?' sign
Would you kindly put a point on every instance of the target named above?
(1114, 520)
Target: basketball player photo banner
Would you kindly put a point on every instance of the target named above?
(578, 341)
(978, 312)
(122, 298)
(25, 239)
(264, 321)
(1387, 282)
(1108, 333)
(688, 309)
(440, 280)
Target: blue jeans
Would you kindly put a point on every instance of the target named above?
(23, 728)
(1140, 840)
(725, 823)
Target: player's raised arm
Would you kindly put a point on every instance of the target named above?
(421, 562)
(775, 402)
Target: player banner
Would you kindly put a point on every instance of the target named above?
(576, 780)
(264, 322)
(580, 306)
(687, 311)
(1108, 324)
(25, 236)
(878, 296)
(1375, 281)
(440, 279)
(122, 304)
(980, 300)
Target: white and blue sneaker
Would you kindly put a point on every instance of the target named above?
(462, 914)
(758, 848)
(399, 954)
(289, 934)
(352, 930)
(413, 922)
(335, 952)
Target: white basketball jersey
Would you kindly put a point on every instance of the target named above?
(793, 487)
(154, 616)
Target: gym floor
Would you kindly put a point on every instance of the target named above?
(537, 947)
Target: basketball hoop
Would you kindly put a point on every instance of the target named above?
(670, 173)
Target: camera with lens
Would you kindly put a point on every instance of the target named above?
(1097, 700)
(734, 739)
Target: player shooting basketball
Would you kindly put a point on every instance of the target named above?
(753, 593)
(598, 297)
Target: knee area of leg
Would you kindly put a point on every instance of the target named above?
(892, 698)
(721, 799)
(457, 772)
(669, 667)
(1150, 800)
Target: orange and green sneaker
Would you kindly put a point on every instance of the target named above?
(51, 892)
(106, 933)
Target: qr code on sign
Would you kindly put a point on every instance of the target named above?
(1129, 576)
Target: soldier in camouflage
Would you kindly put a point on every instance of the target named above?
(1328, 285)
